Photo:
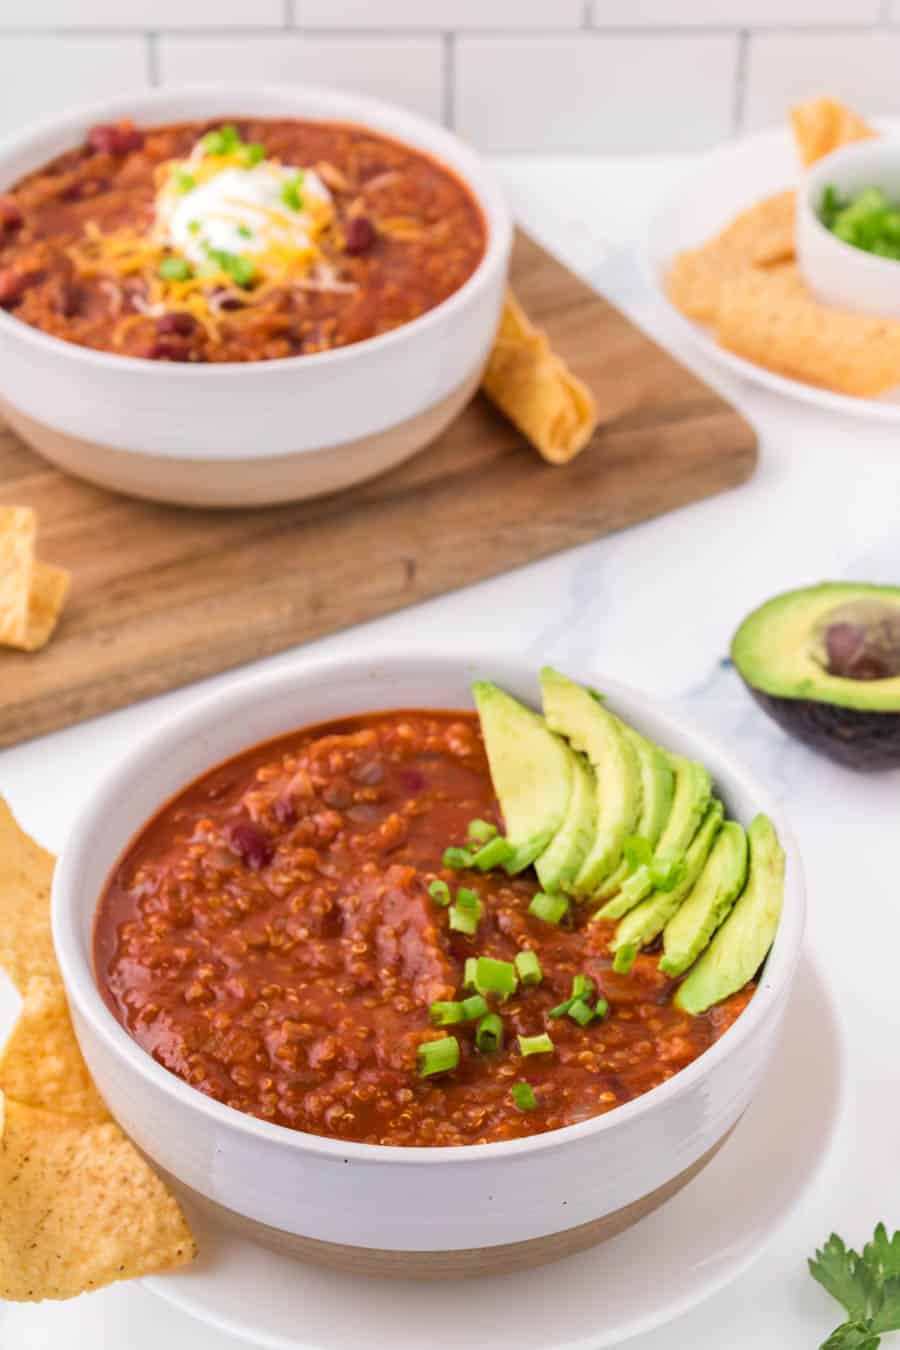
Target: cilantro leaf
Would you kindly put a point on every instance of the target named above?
(843, 1273)
(887, 1316)
(852, 1336)
(882, 1254)
(867, 1286)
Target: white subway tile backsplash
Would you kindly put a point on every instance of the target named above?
(40, 76)
(406, 70)
(440, 14)
(861, 68)
(732, 13)
(143, 14)
(611, 92)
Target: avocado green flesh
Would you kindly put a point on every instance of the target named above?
(778, 647)
(740, 946)
(710, 902)
(648, 919)
(577, 715)
(692, 795)
(563, 856)
(531, 769)
(657, 790)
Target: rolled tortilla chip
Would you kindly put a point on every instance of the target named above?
(535, 389)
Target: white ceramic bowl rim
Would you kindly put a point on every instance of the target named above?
(828, 169)
(81, 984)
(351, 108)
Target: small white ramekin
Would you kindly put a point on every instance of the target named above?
(838, 273)
(526, 1200)
(248, 434)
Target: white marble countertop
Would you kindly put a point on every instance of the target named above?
(654, 606)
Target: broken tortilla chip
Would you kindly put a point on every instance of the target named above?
(824, 124)
(18, 531)
(79, 1208)
(535, 389)
(26, 870)
(769, 317)
(41, 1064)
(49, 588)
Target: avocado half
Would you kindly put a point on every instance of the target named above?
(824, 663)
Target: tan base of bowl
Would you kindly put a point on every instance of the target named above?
(262, 481)
(451, 1265)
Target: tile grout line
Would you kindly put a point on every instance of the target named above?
(152, 39)
(740, 81)
(448, 103)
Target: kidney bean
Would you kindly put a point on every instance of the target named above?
(225, 299)
(284, 811)
(69, 299)
(251, 846)
(412, 780)
(177, 322)
(170, 349)
(115, 138)
(11, 218)
(13, 285)
(360, 234)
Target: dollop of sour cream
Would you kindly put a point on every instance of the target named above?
(245, 211)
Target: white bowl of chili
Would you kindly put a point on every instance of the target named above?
(141, 351)
(384, 1208)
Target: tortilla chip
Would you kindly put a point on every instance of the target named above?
(49, 588)
(771, 318)
(18, 531)
(41, 1064)
(822, 125)
(535, 389)
(79, 1208)
(26, 870)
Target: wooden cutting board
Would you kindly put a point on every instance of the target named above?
(162, 596)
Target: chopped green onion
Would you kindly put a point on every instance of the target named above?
(437, 1056)
(253, 153)
(241, 270)
(561, 1008)
(523, 1096)
(480, 831)
(493, 854)
(194, 226)
(580, 1012)
(175, 269)
(440, 893)
(489, 1034)
(445, 1014)
(495, 977)
(467, 899)
(582, 986)
(222, 141)
(535, 1045)
(290, 193)
(457, 858)
(469, 972)
(474, 1007)
(624, 958)
(184, 182)
(550, 908)
(463, 920)
(245, 232)
(638, 852)
(528, 968)
(601, 1008)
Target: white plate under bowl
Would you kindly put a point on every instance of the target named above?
(723, 183)
(694, 1245)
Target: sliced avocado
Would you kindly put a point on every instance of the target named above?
(824, 663)
(657, 789)
(558, 865)
(709, 903)
(648, 919)
(742, 943)
(531, 769)
(591, 728)
(693, 790)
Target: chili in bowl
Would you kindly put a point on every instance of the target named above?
(238, 294)
(274, 962)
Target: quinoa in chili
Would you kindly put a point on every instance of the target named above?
(270, 938)
(245, 240)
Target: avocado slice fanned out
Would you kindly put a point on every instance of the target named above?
(709, 903)
(648, 919)
(693, 793)
(559, 863)
(742, 943)
(581, 718)
(657, 790)
(531, 769)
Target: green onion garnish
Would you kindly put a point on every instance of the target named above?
(582, 986)
(440, 893)
(175, 269)
(445, 1014)
(467, 899)
(194, 226)
(550, 908)
(493, 854)
(463, 920)
(480, 831)
(253, 153)
(495, 977)
(601, 1008)
(457, 858)
(241, 270)
(473, 1008)
(523, 1096)
(561, 1008)
(624, 958)
(437, 1056)
(528, 968)
(469, 972)
(245, 232)
(290, 192)
(535, 1045)
(489, 1034)
(580, 1012)
(222, 141)
(184, 182)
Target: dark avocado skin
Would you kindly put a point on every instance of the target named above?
(866, 741)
